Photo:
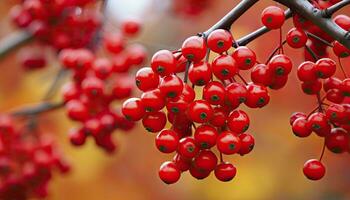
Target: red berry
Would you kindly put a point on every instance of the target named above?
(199, 173)
(238, 121)
(131, 27)
(187, 147)
(219, 40)
(153, 100)
(228, 143)
(169, 173)
(205, 160)
(205, 136)
(300, 127)
(257, 96)
(307, 71)
(76, 110)
(194, 48)
(146, 79)
(200, 111)
(171, 86)
(338, 140)
(214, 93)
(314, 169)
(133, 109)
(219, 117)
(154, 121)
(200, 73)
(273, 17)
(296, 38)
(325, 68)
(318, 122)
(167, 141)
(311, 87)
(182, 163)
(280, 65)
(340, 50)
(261, 74)
(295, 116)
(224, 67)
(163, 63)
(236, 93)
(225, 172)
(247, 143)
(244, 57)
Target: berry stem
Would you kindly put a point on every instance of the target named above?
(342, 68)
(188, 64)
(312, 53)
(308, 11)
(13, 41)
(319, 39)
(281, 46)
(221, 158)
(37, 109)
(319, 100)
(257, 33)
(55, 84)
(275, 51)
(323, 150)
(241, 77)
(328, 12)
(232, 16)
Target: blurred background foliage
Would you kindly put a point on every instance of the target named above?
(272, 171)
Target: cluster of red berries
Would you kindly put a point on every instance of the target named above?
(60, 24)
(190, 7)
(329, 120)
(28, 159)
(97, 83)
(214, 120)
(304, 26)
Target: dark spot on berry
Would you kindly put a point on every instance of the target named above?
(220, 43)
(215, 98)
(269, 19)
(138, 82)
(190, 56)
(160, 69)
(242, 99)
(261, 101)
(148, 109)
(279, 71)
(316, 126)
(175, 110)
(204, 145)
(225, 72)
(245, 128)
(334, 115)
(162, 148)
(200, 82)
(149, 129)
(171, 94)
(203, 115)
(231, 146)
(344, 54)
(296, 39)
(190, 149)
(336, 150)
(248, 61)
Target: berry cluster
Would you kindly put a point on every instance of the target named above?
(27, 160)
(60, 24)
(97, 83)
(304, 26)
(214, 120)
(330, 120)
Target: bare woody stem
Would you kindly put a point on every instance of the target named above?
(328, 12)
(257, 33)
(232, 16)
(12, 41)
(37, 109)
(308, 11)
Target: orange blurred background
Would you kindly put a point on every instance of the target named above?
(272, 171)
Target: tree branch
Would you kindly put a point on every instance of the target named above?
(13, 41)
(232, 16)
(37, 109)
(308, 11)
(259, 32)
(328, 12)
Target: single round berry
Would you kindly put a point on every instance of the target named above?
(171, 86)
(194, 48)
(224, 67)
(273, 17)
(154, 121)
(219, 40)
(187, 147)
(146, 79)
(205, 160)
(163, 63)
(238, 121)
(225, 172)
(169, 173)
(167, 141)
(244, 57)
(296, 38)
(228, 143)
(200, 111)
(314, 169)
(133, 109)
(205, 136)
(214, 93)
(200, 73)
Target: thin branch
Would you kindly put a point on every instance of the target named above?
(328, 12)
(257, 33)
(37, 109)
(319, 39)
(232, 16)
(312, 53)
(55, 84)
(308, 11)
(274, 51)
(12, 41)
